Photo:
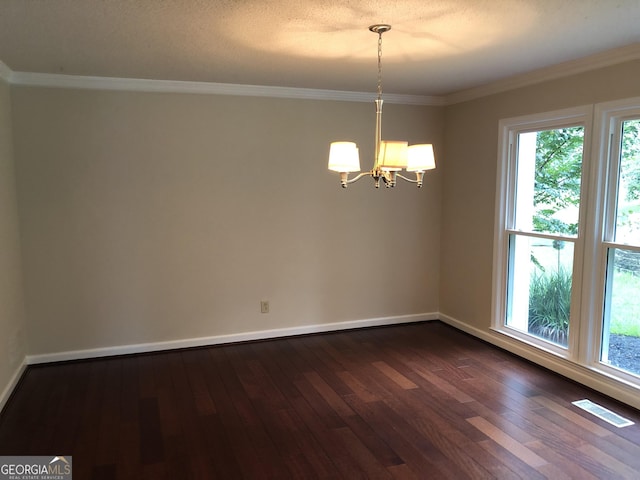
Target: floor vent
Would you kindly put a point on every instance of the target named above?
(603, 413)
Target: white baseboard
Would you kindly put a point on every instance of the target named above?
(222, 339)
(6, 393)
(586, 376)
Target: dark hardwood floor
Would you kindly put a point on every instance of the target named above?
(413, 401)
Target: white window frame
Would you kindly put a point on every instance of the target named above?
(509, 129)
(604, 175)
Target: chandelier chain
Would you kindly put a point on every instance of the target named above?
(379, 65)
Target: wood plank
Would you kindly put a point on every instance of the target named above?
(558, 466)
(357, 387)
(573, 417)
(612, 464)
(299, 419)
(329, 395)
(402, 472)
(395, 375)
(408, 401)
(368, 464)
(517, 466)
(508, 442)
(416, 452)
(238, 422)
(441, 384)
(151, 443)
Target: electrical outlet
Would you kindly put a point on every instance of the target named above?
(264, 306)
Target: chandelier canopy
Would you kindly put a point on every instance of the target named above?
(391, 156)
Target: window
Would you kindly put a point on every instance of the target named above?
(620, 246)
(567, 237)
(539, 227)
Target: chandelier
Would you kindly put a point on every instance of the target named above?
(391, 157)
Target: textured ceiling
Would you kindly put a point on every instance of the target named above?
(434, 47)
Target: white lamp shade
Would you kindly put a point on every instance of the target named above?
(344, 157)
(393, 155)
(420, 158)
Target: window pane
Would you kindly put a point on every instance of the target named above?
(621, 332)
(549, 166)
(628, 201)
(539, 290)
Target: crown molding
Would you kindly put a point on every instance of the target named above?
(5, 72)
(599, 60)
(174, 86)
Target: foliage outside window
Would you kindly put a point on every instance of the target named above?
(546, 203)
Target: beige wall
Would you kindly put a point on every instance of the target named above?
(155, 217)
(12, 316)
(469, 178)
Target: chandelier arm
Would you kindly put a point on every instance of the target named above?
(405, 178)
(418, 180)
(360, 175)
(345, 180)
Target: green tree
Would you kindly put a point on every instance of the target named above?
(630, 165)
(557, 177)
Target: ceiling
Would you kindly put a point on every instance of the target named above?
(434, 48)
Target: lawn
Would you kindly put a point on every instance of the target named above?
(625, 304)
